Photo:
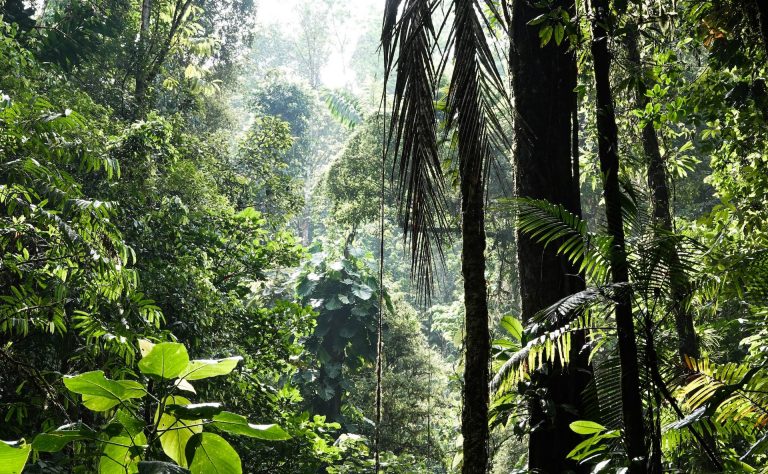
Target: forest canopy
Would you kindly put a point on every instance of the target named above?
(400, 236)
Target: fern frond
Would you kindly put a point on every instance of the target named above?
(344, 107)
(553, 224)
(731, 393)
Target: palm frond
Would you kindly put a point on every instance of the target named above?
(478, 107)
(408, 41)
(731, 393)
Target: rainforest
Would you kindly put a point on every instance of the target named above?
(383, 236)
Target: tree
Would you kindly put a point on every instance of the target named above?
(472, 113)
(546, 167)
(608, 146)
(346, 296)
(660, 196)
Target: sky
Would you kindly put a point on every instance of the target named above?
(336, 73)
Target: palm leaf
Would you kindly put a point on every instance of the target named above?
(408, 41)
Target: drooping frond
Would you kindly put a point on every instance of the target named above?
(408, 42)
(477, 104)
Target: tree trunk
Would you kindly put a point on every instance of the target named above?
(762, 7)
(657, 182)
(474, 417)
(608, 142)
(140, 73)
(546, 167)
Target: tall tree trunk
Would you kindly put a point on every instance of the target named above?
(140, 72)
(474, 417)
(608, 143)
(546, 167)
(657, 182)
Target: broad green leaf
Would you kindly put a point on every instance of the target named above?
(132, 425)
(333, 304)
(538, 20)
(585, 427)
(176, 433)
(159, 467)
(203, 369)
(121, 455)
(237, 424)
(212, 454)
(182, 384)
(194, 412)
(363, 292)
(95, 384)
(559, 33)
(513, 326)
(13, 457)
(167, 360)
(54, 441)
(96, 403)
(545, 34)
(145, 346)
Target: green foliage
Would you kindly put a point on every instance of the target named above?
(353, 181)
(344, 292)
(140, 415)
(13, 456)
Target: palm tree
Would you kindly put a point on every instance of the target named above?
(409, 40)
(547, 167)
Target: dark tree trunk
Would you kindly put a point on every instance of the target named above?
(473, 151)
(762, 6)
(608, 142)
(474, 417)
(140, 72)
(546, 167)
(657, 182)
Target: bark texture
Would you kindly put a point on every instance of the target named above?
(474, 417)
(465, 99)
(632, 404)
(546, 167)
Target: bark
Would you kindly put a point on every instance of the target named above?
(466, 100)
(632, 404)
(657, 182)
(546, 167)
(474, 417)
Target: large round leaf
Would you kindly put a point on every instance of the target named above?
(13, 457)
(95, 384)
(120, 455)
(167, 360)
(237, 424)
(203, 369)
(212, 454)
(175, 433)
